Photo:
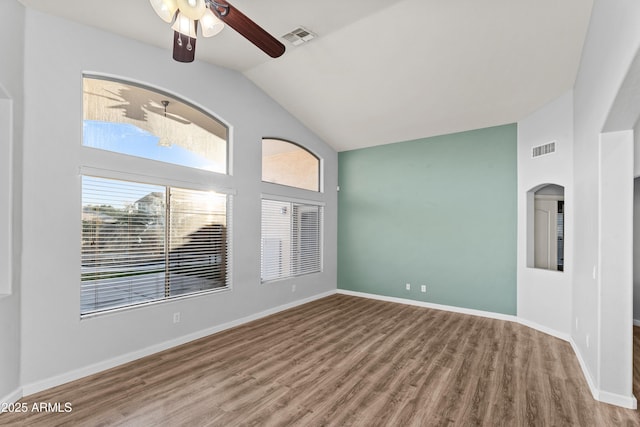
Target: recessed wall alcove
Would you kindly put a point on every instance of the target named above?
(545, 227)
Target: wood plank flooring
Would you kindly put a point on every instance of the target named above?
(344, 360)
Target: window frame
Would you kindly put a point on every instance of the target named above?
(292, 255)
(120, 166)
(177, 97)
(319, 159)
(167, 208)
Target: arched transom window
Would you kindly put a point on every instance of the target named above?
(141, 122)
(289, 164)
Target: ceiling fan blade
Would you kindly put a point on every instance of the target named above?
(184, 47)
(249, 29)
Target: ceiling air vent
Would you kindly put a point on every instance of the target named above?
(298, 36)
(541, 150)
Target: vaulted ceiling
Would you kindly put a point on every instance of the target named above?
(384, 71)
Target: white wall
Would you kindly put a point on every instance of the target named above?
(636, 225)
(636, 249)
(599, 329)
(615, 263)
(544, 296)
(11, 88)
(57, 345)
(636, 150)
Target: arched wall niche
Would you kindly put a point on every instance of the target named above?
(545, 227)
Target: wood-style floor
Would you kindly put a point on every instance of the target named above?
(344, 360)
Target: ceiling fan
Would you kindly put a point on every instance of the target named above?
(210, 15)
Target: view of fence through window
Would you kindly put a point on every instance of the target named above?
(143, 242)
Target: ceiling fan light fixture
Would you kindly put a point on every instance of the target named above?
(210, 24)
(192, 9)
(165, 9)
(185, 16)
(185, 25)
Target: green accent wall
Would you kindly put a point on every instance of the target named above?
(439, 211)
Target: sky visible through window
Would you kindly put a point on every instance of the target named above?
(141, 122)
(128, 139)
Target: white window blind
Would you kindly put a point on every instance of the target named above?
(291, 239)
(143, 243)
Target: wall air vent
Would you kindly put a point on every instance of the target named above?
(298, 36)
(544, 149)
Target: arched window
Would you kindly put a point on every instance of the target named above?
(142, 122)
(154, 236)
(289, 164)
(291, 228)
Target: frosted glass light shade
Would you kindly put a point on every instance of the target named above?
(165, 9)
(192, 9)
(210, 24)
(184, 25)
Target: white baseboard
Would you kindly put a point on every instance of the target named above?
(629, 402)
(12, 397)
(585, 370)
(450, 308)
(549, 331)
(57, 380)
(602, 396)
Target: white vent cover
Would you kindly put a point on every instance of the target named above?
(298, 36)
(541, 150)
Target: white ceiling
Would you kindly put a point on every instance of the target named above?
(384, 71)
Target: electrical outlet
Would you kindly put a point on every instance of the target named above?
(423, 288)
(576, 323)
(408, 286)
(293, 288)
(587, 340)
(176, 317)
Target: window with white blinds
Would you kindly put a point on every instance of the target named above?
(143, 243)
(291, 239)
